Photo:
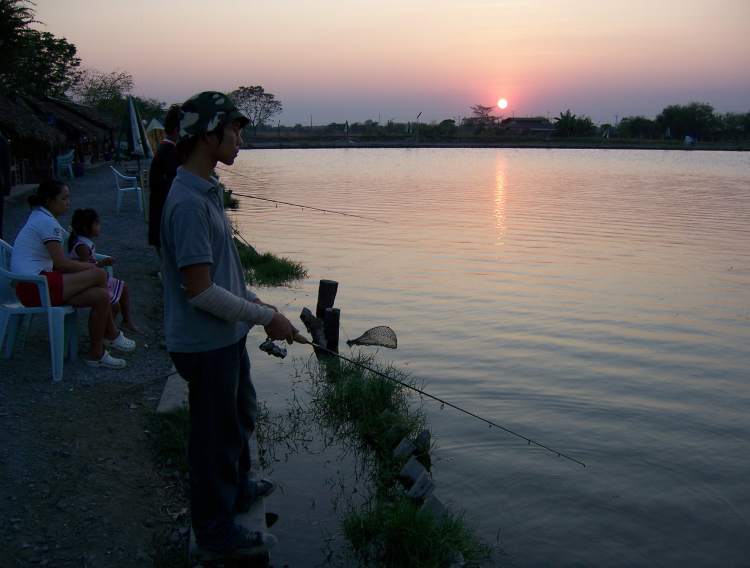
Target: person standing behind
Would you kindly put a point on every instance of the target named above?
(162, 172)
(208, 312)
(4, 176)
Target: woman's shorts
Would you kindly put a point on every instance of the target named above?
(28, 293)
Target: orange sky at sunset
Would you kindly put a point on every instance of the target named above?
(357, 59)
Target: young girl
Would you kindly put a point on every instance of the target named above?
(38, 250)
(86, 226)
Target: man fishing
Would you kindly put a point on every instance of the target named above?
(208, 312)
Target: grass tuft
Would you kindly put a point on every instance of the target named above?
(394, 534)
(365, 407)
(268, 269)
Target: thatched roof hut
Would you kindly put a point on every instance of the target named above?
(74, 124)
(22, 123)
(42, 128)
(100, 118)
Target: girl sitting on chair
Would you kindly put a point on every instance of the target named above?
(86, 227)
(38, 250)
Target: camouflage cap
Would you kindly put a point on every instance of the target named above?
(203, 112)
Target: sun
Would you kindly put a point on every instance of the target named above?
(502, 103)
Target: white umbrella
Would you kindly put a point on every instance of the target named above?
(137, 140)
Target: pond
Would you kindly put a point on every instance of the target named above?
(595, 301)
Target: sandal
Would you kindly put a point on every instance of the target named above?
(121, 343)
(107, 362)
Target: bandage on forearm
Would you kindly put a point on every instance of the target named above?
(221, 303)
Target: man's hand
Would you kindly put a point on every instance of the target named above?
(280, 328)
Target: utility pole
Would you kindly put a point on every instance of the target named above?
(417, 126)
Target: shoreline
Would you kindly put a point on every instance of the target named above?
(535, 144)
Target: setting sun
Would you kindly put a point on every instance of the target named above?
(502, 103)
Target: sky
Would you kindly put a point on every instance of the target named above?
(336, 60)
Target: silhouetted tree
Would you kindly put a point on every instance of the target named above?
(33, 62)
(258, 105)
(568, 124)
(695, 119)
(638, 127)
(482, 118)
(108, 92)
(735, 126)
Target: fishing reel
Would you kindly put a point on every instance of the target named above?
(273, 348)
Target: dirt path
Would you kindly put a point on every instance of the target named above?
(77, 482)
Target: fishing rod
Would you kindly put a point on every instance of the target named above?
(303, 207)
(299, 338)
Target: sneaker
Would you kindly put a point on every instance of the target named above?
(254, 490)
(107, 362)
(121, 343)
(241, 543)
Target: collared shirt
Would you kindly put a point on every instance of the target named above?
(30, 254)
(196, 230)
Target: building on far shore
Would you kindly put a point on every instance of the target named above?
(42, 128)
(527, 126)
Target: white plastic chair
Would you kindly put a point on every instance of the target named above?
(64, 163)
(63, 329)
(127, 183)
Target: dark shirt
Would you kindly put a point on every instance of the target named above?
(163, 170)
(4, 166)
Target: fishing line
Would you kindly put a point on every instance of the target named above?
(303, 207)
(302, 339)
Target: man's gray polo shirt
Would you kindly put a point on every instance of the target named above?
(195, 230)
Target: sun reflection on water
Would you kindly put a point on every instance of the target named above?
(500, 197)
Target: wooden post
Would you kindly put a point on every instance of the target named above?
(326, 296)
(331, 328)
(315, 329)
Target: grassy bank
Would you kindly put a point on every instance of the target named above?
(373, 415)
(393, 533)
(262, 269)
(267, 269)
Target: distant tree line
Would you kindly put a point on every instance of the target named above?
(699, 121)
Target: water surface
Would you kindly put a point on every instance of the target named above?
(598, 301)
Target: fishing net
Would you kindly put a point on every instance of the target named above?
(381, 336)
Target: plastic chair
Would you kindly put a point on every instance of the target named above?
(63, 329)
(127, 183)
(64, 163)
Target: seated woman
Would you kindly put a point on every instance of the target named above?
(38, 250)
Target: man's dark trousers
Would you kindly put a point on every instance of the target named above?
(223, 409)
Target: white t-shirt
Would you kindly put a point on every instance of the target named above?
(30, 255)
(85, 241)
